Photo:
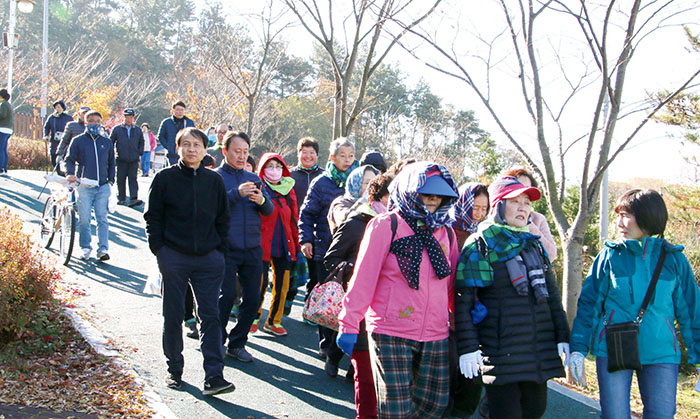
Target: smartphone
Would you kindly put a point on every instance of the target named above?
(258, 184)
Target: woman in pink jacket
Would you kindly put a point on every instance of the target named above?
(401, 286)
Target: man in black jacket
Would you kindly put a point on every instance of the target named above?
(128, 140)
(187, 225)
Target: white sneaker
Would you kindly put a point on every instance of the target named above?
(103, 255)
(86, 254)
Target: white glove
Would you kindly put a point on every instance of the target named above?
(697, 386)
(469, 364)
(577, 359)
(564, 350)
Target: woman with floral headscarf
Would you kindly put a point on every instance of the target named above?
(401, 287)
(510, 324)
(355, 188)
(469, 210)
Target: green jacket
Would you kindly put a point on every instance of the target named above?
(623, 271)
(6, 119)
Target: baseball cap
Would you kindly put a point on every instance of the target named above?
(435, 184)
(83, 109)
(128, 111)
(509, 187)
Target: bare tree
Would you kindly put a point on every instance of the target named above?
(605, 38)
(370, 30)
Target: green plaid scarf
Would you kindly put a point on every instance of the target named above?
(491, 243)
(337, 176)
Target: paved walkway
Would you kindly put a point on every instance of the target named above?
(285, 381)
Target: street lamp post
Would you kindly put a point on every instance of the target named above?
(24, 6)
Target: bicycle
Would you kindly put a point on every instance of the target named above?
(59, 216)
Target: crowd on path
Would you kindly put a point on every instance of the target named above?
(447, 291)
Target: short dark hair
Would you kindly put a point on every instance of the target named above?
(91, 113)
(648, 208)
(231, 134)
(193, 132)
(251, 161)
(378, 187)
(481, 189)
(516, 172)
(308, 142)
(179, 103)
(208, 161)
(4, 94)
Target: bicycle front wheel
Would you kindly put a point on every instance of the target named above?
(47, 224)
(66, 235)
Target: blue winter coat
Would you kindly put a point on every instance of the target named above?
(167, 132)
(56, 124)
(313, 221)
(129, 145)
(623, 271)
(246, 223)
(95, 158)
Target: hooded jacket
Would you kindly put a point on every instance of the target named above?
(378, 290)
(620, 276)
(245, 230)
(284, 212)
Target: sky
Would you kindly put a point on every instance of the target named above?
(656, 152)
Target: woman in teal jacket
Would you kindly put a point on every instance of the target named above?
(613, 293)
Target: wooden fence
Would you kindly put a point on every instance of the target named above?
(28, 126)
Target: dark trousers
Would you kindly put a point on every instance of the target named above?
(326, 336)
(189, 304)
(54, 152)
(524, 399)
(127, 170)
(205, 273)
(247, 264)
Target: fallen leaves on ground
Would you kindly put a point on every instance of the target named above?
(53, 367)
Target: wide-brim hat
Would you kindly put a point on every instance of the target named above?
(437, 185)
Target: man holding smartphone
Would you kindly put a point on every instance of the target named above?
(247, 202)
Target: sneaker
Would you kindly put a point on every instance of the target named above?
(234, 311)
(240, 354)
(217, 385)
(86, 254)
(121, 202)
(192, 325)
(275, 329)
(173, 381)
(254, 326)
(135, 203)
(103, 255)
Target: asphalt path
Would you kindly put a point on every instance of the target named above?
(286, 380)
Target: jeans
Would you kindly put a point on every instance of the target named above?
(145, 162)
(4, 157)
(248, 265)
(657, 385)
(89, 198)
(205, 273)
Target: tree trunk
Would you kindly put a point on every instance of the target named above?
(251, 115)
(573, 274)
(338, 109)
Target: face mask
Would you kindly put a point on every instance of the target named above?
(93, 129)
(273, 174)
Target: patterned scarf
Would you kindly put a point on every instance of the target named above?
(307, 169)
(353, 185)
(337, 176)
(404, 195)
(462, 212)
(409, 252)
(501, 242)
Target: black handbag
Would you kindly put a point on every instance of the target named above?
(622, 339)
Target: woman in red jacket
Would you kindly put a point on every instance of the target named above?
(280, 238)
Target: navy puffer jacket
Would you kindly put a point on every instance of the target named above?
(313, 221)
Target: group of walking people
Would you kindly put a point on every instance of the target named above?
(449, 290)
